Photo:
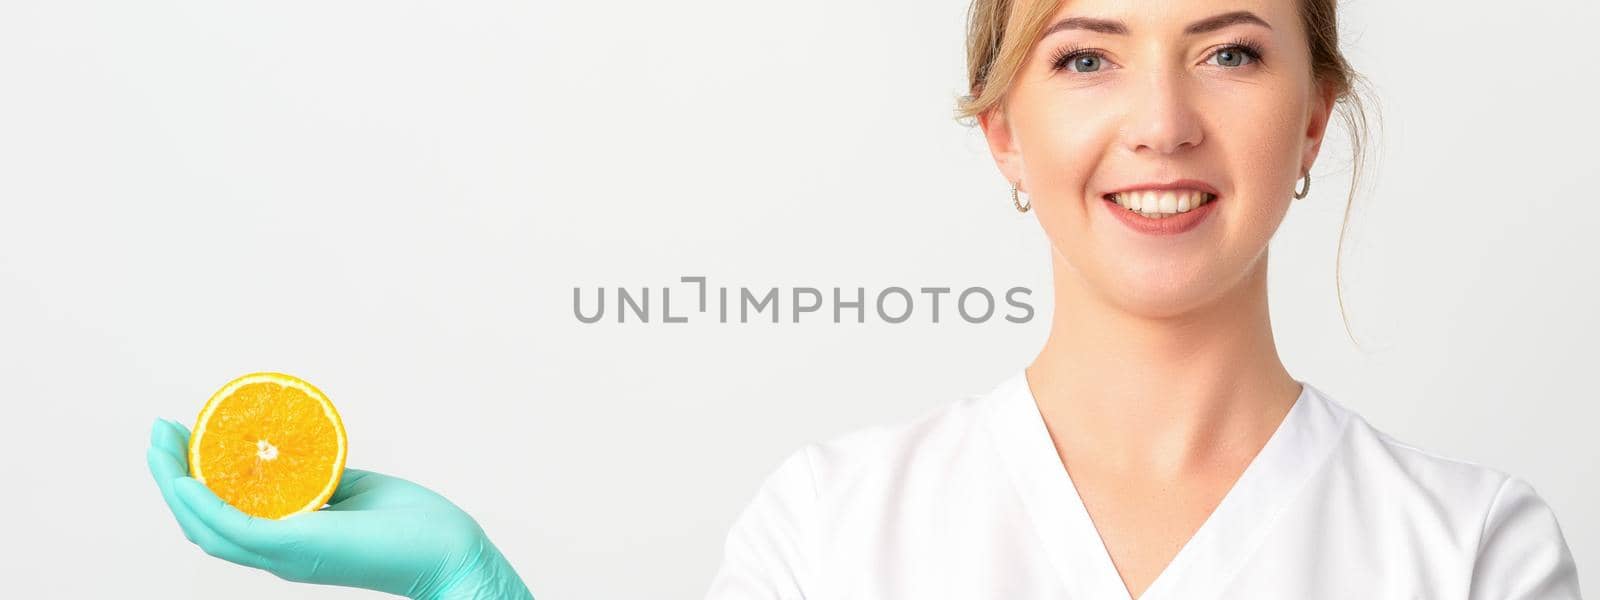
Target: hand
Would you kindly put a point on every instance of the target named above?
(378, 532)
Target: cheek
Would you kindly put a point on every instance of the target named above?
(1260, 133)
(1063, 147)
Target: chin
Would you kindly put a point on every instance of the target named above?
(1163, 293)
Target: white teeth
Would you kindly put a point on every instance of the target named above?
(1158, 204)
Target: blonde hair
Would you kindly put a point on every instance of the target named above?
(1000, 38)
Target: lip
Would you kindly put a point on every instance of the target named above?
(1181, 184)
(1172, 225)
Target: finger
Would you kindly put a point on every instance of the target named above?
(168, 462)
(177, 462)
(369, 490)
(250, 532)
(169, 438)
(165, 465)
(353, 483)
(181, 433)
(165, 469)
(184, 431)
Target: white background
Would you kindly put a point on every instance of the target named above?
(396, 199)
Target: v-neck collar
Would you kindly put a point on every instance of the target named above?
(1216, 551)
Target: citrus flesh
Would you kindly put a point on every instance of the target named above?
(269, 444)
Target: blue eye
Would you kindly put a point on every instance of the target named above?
(1086, 63)
(1236, 55)
(1077, 60)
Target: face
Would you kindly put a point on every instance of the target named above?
(1132, 101)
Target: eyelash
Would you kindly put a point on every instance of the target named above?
(1065, 56)
(1250, 48)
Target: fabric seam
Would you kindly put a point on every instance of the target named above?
(813, 533)
(1345, 426)
(1483, 529)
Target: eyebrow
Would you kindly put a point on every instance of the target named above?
(1211, 24)
(1206, 25)
(1090, 24)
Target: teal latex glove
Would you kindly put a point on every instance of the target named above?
(378, 532)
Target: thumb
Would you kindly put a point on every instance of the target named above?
(257, 534)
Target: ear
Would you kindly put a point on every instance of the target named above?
(1316, 126)
(1002, 144)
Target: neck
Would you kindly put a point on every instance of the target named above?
(1164, 394)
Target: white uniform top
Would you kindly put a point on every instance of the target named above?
(971, 501)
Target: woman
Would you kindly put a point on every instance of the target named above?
(1155, 448)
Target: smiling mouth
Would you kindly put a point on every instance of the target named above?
(1160, 204)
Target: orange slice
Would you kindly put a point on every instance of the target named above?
(269, 444)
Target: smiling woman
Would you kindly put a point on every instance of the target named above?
(1156, 447)
(1229, 84)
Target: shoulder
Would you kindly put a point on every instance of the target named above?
(931, 436)
(944, 421)
(774, 546)
(1371, 456)
(871, 467)
(1495, 519)
(1414, 468)
(936, 438)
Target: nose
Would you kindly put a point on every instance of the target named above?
(1162, 117)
